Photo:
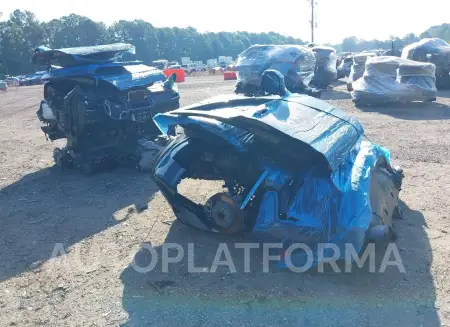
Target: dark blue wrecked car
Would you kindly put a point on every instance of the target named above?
(101, 104)
(295, 169)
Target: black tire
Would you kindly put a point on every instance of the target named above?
(62, 159)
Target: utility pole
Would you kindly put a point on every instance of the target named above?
(312, 21)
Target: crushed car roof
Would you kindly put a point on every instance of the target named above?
(326, 129)
(80, 55)
(123, 75)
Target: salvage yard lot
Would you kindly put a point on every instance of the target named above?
(98, 223)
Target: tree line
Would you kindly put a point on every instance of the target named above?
(23, 32)
(352, 44)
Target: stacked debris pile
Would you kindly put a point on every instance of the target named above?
(390, 79)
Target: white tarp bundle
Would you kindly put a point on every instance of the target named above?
(393, 79)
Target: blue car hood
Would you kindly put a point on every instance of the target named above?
(124, 75)
(335, 208)
(299, 118)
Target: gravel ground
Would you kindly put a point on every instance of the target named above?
(68, 240)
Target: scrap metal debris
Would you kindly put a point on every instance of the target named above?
(295, 169)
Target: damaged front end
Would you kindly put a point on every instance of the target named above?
(104, 107)
(294, 168)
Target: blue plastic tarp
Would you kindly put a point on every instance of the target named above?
(327, 208)
(330, 210)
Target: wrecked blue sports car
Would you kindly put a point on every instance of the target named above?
(101, 104)
(295, 169)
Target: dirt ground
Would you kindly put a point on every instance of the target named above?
(67, 240)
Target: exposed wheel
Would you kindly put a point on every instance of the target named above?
(225, 213)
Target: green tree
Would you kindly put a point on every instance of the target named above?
(75, 31)
(350, 44)
(22, 33)
(440, 31)
(18, 37)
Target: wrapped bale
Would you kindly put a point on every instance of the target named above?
(420, 76)
(382, 84)
(325, 71)
(358, 68)
(435, 51)
(295, 62)
(425, 49)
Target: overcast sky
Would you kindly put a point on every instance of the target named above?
(336, 19)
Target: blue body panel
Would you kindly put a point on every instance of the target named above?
(101, 62)
(134, 74)
(326, 129)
